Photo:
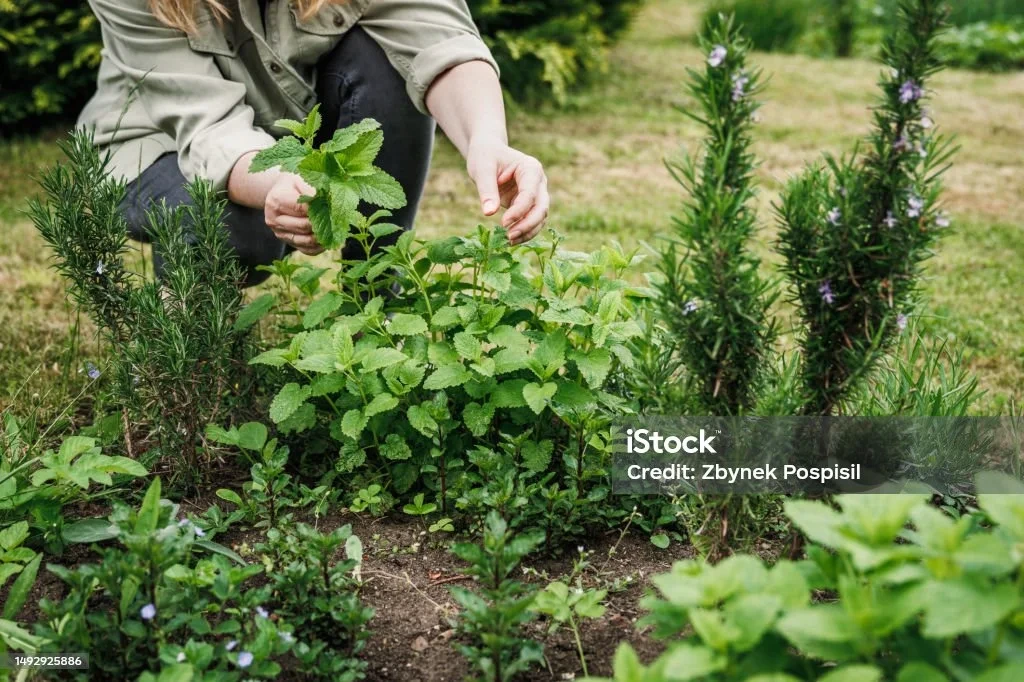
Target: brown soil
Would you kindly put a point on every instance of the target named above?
(407, 573)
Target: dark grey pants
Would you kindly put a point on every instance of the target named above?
(355, 81)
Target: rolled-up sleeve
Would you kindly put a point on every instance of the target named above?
(425, 39)
(183, 91)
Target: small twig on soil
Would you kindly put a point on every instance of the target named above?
(406, 579)
(454, 578)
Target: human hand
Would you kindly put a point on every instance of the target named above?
(508, 178)
(287, 217)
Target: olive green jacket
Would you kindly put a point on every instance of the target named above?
(212, 96)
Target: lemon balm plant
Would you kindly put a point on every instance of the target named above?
(479, 356)
(893, 589)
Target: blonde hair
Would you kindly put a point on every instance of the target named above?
(181, 14)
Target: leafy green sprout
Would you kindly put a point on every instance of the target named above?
(341, 171)
(569, 606)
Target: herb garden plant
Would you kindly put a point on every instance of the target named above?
(475, 386)
(433, 365)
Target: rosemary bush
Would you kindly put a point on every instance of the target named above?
(856, 230)
(712, 297)
(176, 353)
(855, 233)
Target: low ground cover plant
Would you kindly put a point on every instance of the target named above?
(909, 593)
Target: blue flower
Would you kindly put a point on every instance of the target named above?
(914, 206)
(148, 612)
(100, 269)
(901, 322)
(826, 292)
(690, 307)
(244, 659)
(835, 216)
(262, 612)
(942, 220)
(910, 91)
(230, 646)
(890, 220)
(91, 370)
(717, 56)
(739, 86)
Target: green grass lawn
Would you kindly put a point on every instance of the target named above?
(604, 155)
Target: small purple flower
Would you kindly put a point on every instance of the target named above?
(262, 612)
(914, 206)
(926, 122)
(910, 92)
(717, 56)
(230, 646)
(739, 86)
(942, 220)
(244, 659)
(690, 307)
(91, 370)
(890, 220)
(921, 150)
(901, 322)
(100, 268)
(835, 216)
(900, 144)
(147, 612)
(826, 292)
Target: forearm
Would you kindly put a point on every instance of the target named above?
(466, 102)
(250, 189)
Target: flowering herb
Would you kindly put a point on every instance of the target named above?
(872, 255)
(914, 206)
(826, 293)
(717, 56)
(910, 92)
(721, 349)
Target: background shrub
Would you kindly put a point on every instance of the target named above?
(769, 25)
(48, 57)
(49, 51)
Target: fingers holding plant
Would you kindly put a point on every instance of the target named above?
(288, 217)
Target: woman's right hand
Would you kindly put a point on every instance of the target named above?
(287, 217)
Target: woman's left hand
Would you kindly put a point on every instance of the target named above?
(508, 178)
